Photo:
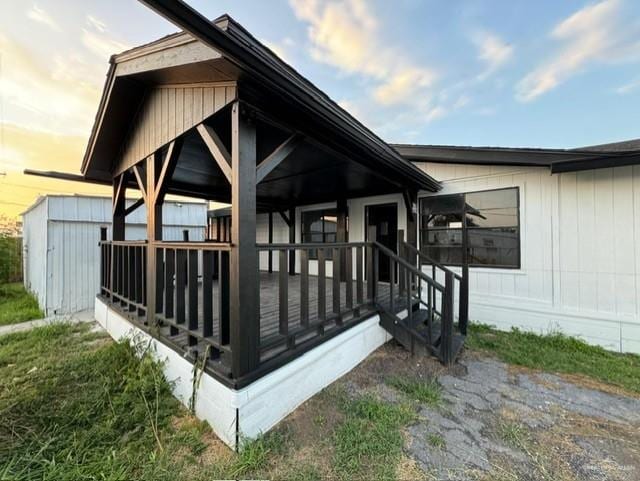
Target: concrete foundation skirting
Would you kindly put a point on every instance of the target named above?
(238, 415)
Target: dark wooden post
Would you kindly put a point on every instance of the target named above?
(244, 296)
(292, 240)
(118, 205)
(341, 230)
(155, 270)
(270, 241)
(412, 224)
(401, 254)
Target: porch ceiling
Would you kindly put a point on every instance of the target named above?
(312, 173)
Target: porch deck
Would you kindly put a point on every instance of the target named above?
(272, 340)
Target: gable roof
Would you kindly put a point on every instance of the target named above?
(557, 160)
(243, 57)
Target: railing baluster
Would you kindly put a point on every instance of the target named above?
(322, 312)
(370, 274)
(304, 287)
(192, 289)
(359, 282)
(336, 284)
(446, 325)
(207, 293)
(408, 294)
(283, 294)
(181, 280)
(169, 272)
(376, 274)
(392, 280)
(159, 277)
(348, 278)
(223, 294)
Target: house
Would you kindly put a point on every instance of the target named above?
(60, 245)
(334, 242)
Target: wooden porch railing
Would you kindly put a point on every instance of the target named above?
(123, 268)
(338, 285)
(322, 300)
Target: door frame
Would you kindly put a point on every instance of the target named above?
(395, 204)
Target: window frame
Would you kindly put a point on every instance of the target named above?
(423, 229)
(324, 212)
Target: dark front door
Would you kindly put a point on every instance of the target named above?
(385, 219)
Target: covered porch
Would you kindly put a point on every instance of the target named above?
(213, 114)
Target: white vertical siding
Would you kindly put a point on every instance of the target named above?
(580, 250)
(34, 244)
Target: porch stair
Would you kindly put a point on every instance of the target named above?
(421, 319)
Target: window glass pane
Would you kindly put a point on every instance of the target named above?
(492, 199)
(493, 217)
(445, 255)
(498, 246)
(446, 204)
(444, 237)
(444, 220)
(312, 222)
(330, 222)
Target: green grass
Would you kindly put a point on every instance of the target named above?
(368, 444)
(75, 405)
(558, 353)
(17, 305)
(427, 392)
(512, 433)
(436, 440)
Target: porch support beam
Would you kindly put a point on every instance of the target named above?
(292, 240)
(168, 168)
(141, 182)
(286, 219)
(118, 207)
(217, 149)
(243, 282)
(411, 204)
(341, 230)
(154, 233)
(277, 156)
(270, 252)
(134, 206)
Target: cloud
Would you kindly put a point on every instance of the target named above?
(346, 35)
(628, 87)
(56, 96)
(492, 51)
(37, 14)
(282, 48)
(596, 33)
(102, 45)
(96, 23)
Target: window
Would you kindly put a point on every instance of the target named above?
(484, 225)
(319, 226)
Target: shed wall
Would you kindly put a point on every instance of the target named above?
(62, 258)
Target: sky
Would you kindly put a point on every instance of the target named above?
(505, 73)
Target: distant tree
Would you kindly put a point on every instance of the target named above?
(10, 250)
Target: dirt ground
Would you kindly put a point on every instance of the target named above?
(495, 422)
